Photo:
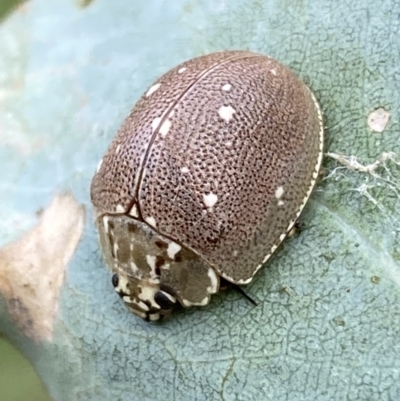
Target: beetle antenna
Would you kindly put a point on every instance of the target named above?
(224, 284)
(242, 292)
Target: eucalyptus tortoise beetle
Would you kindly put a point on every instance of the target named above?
(205, 178)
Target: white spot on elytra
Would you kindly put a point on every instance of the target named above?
(155, 123)
(203, 302)
(213, 287)
(226, 277)
(152, 89)
(120, 209)
(266, 258)
(134, 211)
(173, 249)
(279, 192)
(258, 267)
(183, 69)
(235, 252)
(273, 71)
(165, 128)
(118, 148)
(151, 221)
(282, 237)
(378, 119)
(244, 281)
(226, 113)
(228, 144)
(227, 87)
(99, 165)
(184, 170)
(273, 248)
(281, 203)
(210, 199)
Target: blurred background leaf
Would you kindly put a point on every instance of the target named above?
(18, 380)
(6, 6)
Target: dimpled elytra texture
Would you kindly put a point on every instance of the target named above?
(220, 155)
(116, 183)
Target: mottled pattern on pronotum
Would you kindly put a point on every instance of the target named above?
(205, 178)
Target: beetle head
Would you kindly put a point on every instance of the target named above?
(151, 272)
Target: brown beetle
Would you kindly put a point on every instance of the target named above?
(205, 178)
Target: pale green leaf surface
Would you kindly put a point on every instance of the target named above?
(326, 328)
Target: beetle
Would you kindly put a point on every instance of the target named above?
(205, 178)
